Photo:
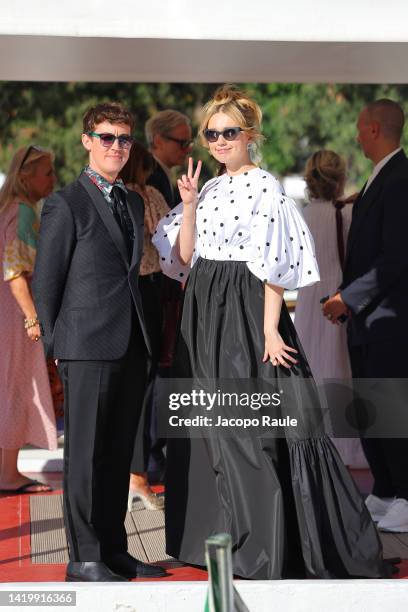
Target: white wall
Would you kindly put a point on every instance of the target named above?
(211, 41)
(263, 20)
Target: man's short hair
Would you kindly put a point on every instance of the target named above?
(162, 123)
(389, 115)
(113, 112)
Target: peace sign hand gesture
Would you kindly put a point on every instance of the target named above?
(188, 184)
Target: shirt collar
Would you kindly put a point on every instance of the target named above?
(385, 159)
(379, 166)
(164, 167)
(102, 183)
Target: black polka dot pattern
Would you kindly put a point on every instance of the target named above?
(254, 232)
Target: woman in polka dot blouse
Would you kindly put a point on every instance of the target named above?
(288, 502)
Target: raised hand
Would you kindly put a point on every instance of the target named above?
(188, 184)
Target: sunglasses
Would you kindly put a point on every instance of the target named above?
(228, 134)
(107, 140)
(183, 144)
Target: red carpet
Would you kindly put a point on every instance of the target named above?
(15, 562)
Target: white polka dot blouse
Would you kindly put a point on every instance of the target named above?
(248, 218)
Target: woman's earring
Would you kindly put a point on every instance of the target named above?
(254, 155)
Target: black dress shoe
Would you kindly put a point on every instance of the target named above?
(129, 567)
(90, 571)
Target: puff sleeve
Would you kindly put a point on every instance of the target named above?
(164, 239)
(284, 252)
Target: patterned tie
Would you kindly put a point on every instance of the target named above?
(121, 214)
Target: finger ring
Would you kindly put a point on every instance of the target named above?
(330, 316)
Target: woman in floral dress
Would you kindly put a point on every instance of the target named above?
(26, 407)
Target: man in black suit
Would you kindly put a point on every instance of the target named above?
(374, 294)
(88, 303)
(168, 136)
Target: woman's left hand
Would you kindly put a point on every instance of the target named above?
(34, 332)
(277, 351)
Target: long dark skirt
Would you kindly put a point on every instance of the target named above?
(290, 505)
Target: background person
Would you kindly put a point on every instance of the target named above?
(328, 219)
(135, 174)
(26, 407)
(374, 293)
(168, 137)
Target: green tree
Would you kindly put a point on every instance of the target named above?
(298, 119)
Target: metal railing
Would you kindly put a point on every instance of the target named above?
(222, 596)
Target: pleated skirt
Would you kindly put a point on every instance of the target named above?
(289, 503)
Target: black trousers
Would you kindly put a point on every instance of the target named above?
(387, 457)
(103, 401)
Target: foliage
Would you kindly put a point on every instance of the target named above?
(298, 118)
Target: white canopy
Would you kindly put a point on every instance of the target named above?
(360, 41)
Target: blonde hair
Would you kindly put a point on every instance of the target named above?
(162, 123)
(324, 172)
(23, 165)
(239, 106)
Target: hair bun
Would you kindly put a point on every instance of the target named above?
(230, 93)
(236, 103)
(325, 174)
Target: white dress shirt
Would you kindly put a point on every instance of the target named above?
(380, 166)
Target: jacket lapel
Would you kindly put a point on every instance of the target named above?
(363, 203)
(360, 209)
(102, 207)
(137, 222)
